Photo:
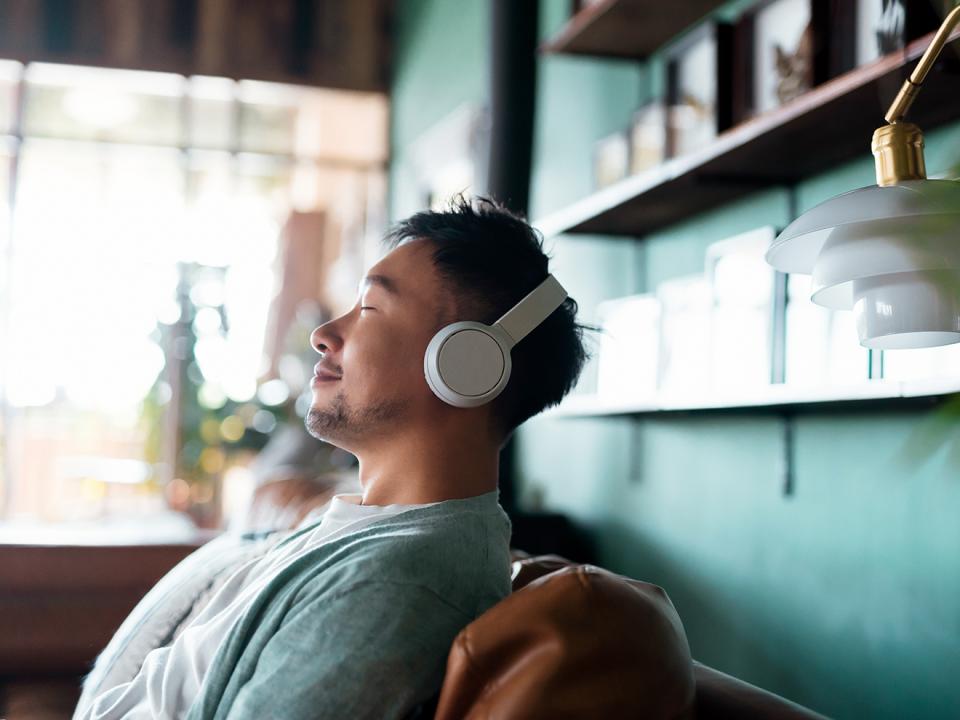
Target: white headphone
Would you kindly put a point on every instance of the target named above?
(468, 363)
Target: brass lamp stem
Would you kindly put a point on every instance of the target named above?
(911, 86)
(898, 147)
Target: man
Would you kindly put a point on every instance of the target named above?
(353, 617)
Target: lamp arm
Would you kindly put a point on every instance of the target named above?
(911, 86)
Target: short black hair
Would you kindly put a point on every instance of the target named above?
(491, 258)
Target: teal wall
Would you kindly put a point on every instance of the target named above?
(441, 53)
(845, 595)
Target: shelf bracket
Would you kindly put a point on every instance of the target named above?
(787, 469)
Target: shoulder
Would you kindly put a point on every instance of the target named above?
(452, 534)
(459, 553)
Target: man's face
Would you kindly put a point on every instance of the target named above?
(370, 375)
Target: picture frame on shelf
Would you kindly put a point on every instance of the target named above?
(448, 159)
(699, 77)
(611, 158)
(887, 26)
(881, 28)
(648, 137)
(628, 356)
(775, 48)
(784, 48)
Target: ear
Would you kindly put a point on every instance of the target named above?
(780, 57)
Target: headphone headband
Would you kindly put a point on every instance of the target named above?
(467, 364)
(532, 310)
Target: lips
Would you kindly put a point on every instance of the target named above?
(321, 372)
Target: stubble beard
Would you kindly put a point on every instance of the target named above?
(342, 425)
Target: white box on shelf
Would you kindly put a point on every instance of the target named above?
(849, 361)
(684, 368)
(611, 161)
(648, 137)
(741, 286)
(807, 336)
(629, 347)
(922, 363)
(821, 345)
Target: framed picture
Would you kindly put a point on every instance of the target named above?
(447, 159)
(783, 48)
(610, 159)
(775, 63)
(881, 28)
(742, 298)
(886, 26)
(629, 347)
(648, 137)
(699, 77)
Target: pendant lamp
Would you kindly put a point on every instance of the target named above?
(889, 252)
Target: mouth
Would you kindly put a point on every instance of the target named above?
(323, 379)
(322, 375)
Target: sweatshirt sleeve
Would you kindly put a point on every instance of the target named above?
(374, 650)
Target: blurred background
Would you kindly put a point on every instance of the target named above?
(186, 190)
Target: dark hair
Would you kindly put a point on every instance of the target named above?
(492, 258)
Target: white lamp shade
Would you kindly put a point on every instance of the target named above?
(891, 254)
(881, 247)
(796, 249)
(908, 310)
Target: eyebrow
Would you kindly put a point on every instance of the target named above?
(381, 281)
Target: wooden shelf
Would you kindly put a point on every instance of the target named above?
(771, 398)
(630, 29)
(830, 124)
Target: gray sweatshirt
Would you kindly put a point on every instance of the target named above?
(360, 626)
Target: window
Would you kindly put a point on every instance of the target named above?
(138, 255)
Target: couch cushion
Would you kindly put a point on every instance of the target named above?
(164, 610)
(577, 642)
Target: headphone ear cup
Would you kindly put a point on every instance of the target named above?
(467, 364)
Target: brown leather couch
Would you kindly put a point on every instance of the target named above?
(577, 641)
(571, 641)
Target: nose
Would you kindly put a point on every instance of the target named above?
(326, 338)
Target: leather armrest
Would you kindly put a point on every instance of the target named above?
(723, 697)
(578, 642)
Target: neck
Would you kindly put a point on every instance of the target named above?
(417, 467)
